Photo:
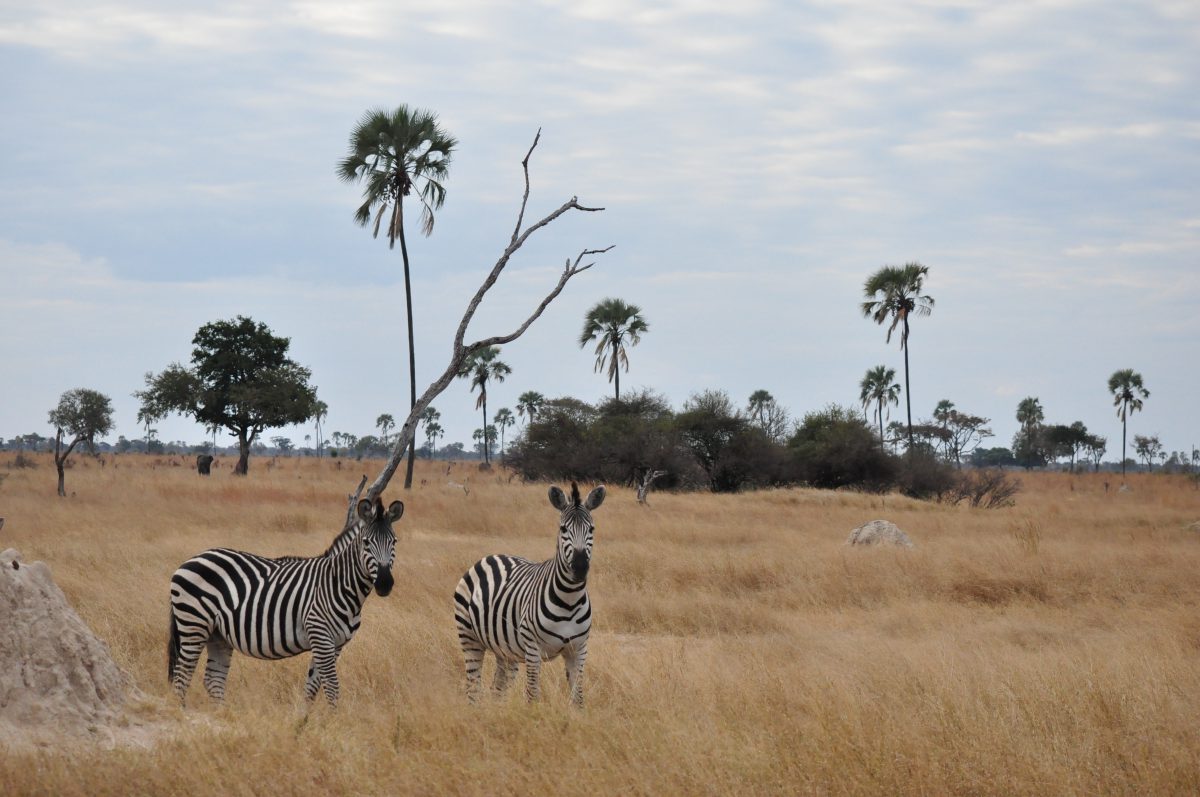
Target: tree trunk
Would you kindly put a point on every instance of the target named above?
(616, 371)
(486, 459)
(907, 390)
(243, 464)
(412, 351)
(60, 462)
(879, 415)
(1124, 424)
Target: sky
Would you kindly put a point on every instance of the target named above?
(161, 169)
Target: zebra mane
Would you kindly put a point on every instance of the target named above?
(344, 538)
(575, 493)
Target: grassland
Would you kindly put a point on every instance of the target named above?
(739, 646)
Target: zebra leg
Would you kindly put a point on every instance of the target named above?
(533, 673)
(505, 671)
(185, 666)
(324, 663)
(574, 656)
(216, 670)
(473, 659)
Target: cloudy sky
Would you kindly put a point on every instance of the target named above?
(161, 169)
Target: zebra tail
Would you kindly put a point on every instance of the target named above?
(172, 647)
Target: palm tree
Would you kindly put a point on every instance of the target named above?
(1128, 393)
(529, 404)
(320, 413)
(879, 387)
(1029, 413)
(433, 431)
(760, 400)
(895, 292)
(612, 323)
(481, 368)
(430, 417)
(393, 153)
(503, 419)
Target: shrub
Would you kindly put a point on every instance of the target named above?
(835, 447)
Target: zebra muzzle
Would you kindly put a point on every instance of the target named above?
(384, 581)
(580, 564)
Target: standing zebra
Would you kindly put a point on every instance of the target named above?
(530, 611)
(276, 608)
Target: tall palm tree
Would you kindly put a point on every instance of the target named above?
(759, 401)
(1128, 393)
(503, 419)
(429, 418)
(481, 368)
(394, 153)
(320, 413)
(613, 323)
(529, 404)
(879, 387)
(1030, 413)
(895, 292)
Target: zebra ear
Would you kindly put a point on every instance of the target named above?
(365, 510)
(395, 511)
(558, 499)
(595, 498)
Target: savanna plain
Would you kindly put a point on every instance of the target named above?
(739, 646)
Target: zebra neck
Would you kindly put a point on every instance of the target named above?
(350, 572)
(562, 580)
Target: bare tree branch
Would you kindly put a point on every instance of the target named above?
(460, 351)
(353, 501)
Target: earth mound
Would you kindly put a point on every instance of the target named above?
(57, 678)
(879, 532)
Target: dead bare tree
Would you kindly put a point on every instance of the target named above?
(643, 488)
(460, 350)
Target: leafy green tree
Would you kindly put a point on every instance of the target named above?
(283, 444)
(1128, 393)
(1095, 446)
(480, 368)
(394, 153)
(529, 404)
(835, 447)
(613, 324)
(503, 419)
(81, 414)
(241, 380)
(879, 387)
(895, 292)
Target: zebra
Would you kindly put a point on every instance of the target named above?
(276, 608)
(531, 611)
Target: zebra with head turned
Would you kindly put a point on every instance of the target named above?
(275, 608)
(525, 611)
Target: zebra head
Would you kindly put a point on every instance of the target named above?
(378, 541)
(575, 528)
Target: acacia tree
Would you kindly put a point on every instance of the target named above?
(394, 153)
(460, 350)
(879, 387)
(529, 404)
(1147, 448)
(483, 367)
(1095, 446)
(613, 324)
(81, 414)
(241, 380)
(895, 292)
(385, 423)
(1128, 393)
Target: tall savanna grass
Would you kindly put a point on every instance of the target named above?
(739, 646)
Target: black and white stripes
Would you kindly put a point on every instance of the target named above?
(275, 608)
(525, 611)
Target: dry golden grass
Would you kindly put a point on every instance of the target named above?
(739, 646)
